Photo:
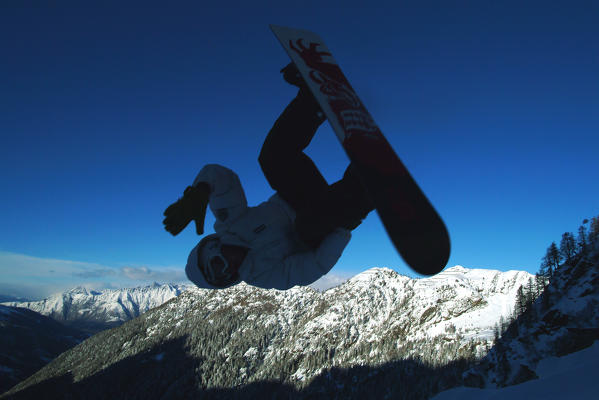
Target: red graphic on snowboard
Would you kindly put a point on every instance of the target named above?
(363, 139)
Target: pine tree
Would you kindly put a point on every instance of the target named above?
(567, 246)
(594, 231)
(531, 292)
(520, 306)
(552, 259)
(582, 238)
(540, 284)
(503, 324)
(545, 269)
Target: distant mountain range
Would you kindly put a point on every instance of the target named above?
(251, 339)
(5, 298)
(93, 311)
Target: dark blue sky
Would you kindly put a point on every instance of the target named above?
(108, 111)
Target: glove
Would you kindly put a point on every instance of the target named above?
(192, 206)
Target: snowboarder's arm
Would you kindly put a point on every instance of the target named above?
(305, 268)
(227, 198)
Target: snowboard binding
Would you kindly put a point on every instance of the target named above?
(292, 76)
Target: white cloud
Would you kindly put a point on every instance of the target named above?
(329, 280)
(165, 274)
(37, 278)
(96, 273)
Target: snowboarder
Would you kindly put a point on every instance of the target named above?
(294, 237)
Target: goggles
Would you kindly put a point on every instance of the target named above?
(214, 265)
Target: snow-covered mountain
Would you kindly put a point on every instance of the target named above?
(94, 311)
(550, 350)
(248, 339)
(563, 320)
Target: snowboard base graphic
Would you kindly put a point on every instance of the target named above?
(415, 228)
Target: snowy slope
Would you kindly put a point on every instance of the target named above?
(245, 335)
(569, 377)
(459, 304)
(28, 341)
(97, 310)
(564, 319)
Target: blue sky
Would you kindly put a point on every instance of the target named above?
(108, 112)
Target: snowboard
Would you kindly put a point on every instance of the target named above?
(415, 228)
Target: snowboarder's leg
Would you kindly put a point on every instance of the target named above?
(320, 207)
(286, 167)
(343, 204)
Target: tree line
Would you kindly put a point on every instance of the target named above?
(571, 249)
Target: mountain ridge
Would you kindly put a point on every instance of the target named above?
(244, 335)
(93, 311)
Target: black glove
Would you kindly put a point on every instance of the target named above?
(192, 206)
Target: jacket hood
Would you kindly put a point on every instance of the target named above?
(192, 269)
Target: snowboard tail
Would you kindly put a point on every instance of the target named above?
(415, 228)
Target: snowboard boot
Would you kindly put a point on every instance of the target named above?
(292, 76)
(343, 204)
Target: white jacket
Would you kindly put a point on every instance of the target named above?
(277, 258)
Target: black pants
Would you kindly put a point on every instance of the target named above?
(320, 207)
